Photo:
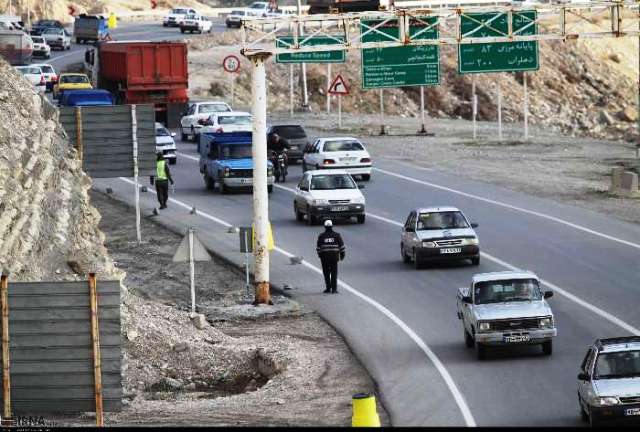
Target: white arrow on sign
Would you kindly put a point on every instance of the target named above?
(338, 86)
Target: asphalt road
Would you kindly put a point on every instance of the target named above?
(401, 322)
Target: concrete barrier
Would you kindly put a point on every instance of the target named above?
(624, 183)
(629, 182)
(616, 179)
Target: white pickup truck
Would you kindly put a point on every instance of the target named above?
(504, 309)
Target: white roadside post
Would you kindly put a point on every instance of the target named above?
(526, 106)
(423, 129)
(474, 107)
(134, 138)
(499, 110)
(191, 250)
(192, 274)
(260, 193)
(382, 131)
(328, 85)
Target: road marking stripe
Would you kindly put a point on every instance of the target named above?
(602, 313)
(512, 207)
(453, 388)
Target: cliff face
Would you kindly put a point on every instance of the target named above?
(48, 229)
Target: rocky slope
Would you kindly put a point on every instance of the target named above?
(48, 229)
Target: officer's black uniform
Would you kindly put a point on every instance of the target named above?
(277, 143)
(330, 249)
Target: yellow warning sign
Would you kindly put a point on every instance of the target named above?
(270, 242)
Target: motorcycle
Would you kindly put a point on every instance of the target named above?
(280, 165)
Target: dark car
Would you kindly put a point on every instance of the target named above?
(41, 25)
(295, 135)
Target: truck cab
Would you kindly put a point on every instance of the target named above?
(505, 309)
(226, 161)
(90, 28)
(86, 98)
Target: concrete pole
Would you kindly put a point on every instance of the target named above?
(474, 106)
(328, 85)
(192, 275)
(260, 194)
(526, 106)
(291, 89)
(638, 144)
(423, 129)
(303, 71)
(29, 14)
(499, 110)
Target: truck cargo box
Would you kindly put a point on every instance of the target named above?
(16, 47)
(90, 28)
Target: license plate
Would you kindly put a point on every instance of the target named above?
(450, 250)
(347, 159)
(246, 181)
(517, 338)
(632, 412)
(339, 208)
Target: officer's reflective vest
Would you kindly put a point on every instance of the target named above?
(160, 170)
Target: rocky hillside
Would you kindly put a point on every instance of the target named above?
(48, 229)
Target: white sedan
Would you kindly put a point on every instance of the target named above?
(34, 75)
(196, 115)
(343, 153)
(233, 121)
(196, 23)
(50, 75)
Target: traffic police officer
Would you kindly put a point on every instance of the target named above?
(163, 177)
(330, 249)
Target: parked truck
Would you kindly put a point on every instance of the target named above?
(226, 161)
(16, 46)
(90, 28)
(143, 73)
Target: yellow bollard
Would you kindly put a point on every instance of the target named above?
(364, 411)
(112, 22)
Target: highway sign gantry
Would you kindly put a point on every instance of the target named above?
(311, 57)
(498, 56)
(413, 65)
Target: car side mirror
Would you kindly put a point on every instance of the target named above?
(466, 299)
(360, 186)
(474, 225)
(548, 294)
(583, 376)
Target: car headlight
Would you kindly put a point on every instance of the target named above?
(606, 401)
(227, 172)
(358, 200)
(546, 322)
(429, 244)
(483, 326)
(320, 202)
(470, 241)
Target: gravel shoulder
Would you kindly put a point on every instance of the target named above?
(278, 365)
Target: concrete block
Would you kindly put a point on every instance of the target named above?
(616, 179)
(629, 182)
(199, 321)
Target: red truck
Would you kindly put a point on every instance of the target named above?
(143, 73)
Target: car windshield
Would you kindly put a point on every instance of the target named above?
(37, 39)
(192, 17)
(211, 108)
(332, 181)
(237, 12)
(234, 120)
(506, 290)
(258, 5)
(334, 146)
(52, 30)
(621, 364)
(235, 151)
(162, 131)
(74, 79)
(47, 69)
(441, 221)
(290, 131)
(180, 11)
(30, 70)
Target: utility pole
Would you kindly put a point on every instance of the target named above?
(29, 14)
(260, 193)
(303, 66)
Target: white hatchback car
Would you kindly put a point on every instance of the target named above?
(328, 195)
(344, 153)
(34, 75)
(196, 23)
(40, 47)
(196, 115)
(165, 143)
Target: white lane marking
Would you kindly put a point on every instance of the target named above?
(53, 60)
(602, 313)
(512, 207)
(453, 388)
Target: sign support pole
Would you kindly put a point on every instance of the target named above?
(328, 85)
(526, 107)
(422, 130)
(260, 195)
(305, 99)
(134, 134)
(192, 274)
(233, 82)
(474, 107)
(499, 110)
(291, 89)
(6, 353)
(246, 257)
(382, 131)
(339, 111)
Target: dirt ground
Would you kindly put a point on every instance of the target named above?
(281, 365)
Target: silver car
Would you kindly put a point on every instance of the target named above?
(57, 38)
(609, 382)
(438, 234)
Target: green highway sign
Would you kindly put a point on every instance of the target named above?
(498, 56)
(400, 66)
(311, 57)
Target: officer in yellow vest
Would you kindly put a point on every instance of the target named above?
(163, 177)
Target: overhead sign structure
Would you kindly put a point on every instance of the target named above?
(498, 56)
(400, 66)
(338, 86)
(311, 57)
(231, 64)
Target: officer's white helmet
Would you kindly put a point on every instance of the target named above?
(328, 223)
